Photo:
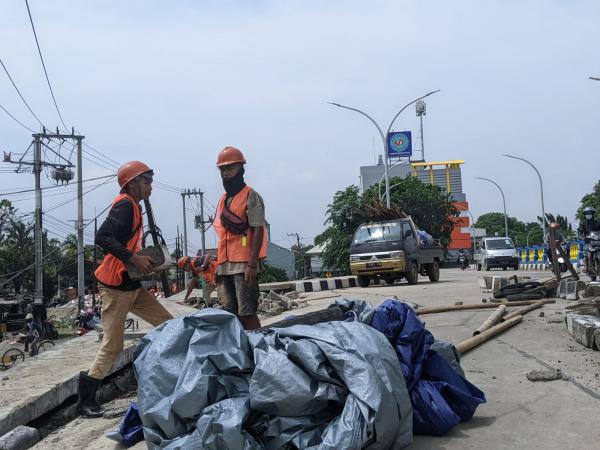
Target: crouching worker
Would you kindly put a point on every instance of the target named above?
(120, 237)
(200, 266)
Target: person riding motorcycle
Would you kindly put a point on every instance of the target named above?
(586, 226)
(461, 259)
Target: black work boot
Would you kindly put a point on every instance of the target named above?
(86, 404)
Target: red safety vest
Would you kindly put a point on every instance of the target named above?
(236, 247)
(110, 271)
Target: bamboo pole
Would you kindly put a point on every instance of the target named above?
(491, 320)
(440, 309)
(474, 341)
(523, 311)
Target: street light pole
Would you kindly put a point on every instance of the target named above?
(541, 190)
(384, 137)
(503, 202)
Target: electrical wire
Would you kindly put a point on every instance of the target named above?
(73, 199)
(20, 95)
(37, 43)
(55, 186)
(15, 119)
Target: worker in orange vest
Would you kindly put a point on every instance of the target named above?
(241, 228)
(204, 267)
(120, 237)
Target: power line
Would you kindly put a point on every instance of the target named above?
(16, 120)
(19, 92)
(37, 43)
(73, 199)
(52, 187)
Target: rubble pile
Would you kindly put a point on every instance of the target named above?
(272, 303)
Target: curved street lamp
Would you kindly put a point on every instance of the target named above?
(384, 136)
(503, 202)
(541, 189)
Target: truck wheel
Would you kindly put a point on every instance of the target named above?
(485, 265)
(504, 267)
(412, 276)
(363, 281)
(434, 272)
(478, 267)
(390, 280)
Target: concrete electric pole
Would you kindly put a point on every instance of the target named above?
(199, 223)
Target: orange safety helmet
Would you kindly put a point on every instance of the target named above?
(230, 155)
(130, 170)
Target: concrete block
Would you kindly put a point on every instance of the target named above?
(293, 295)
(483, 282)
(562, 288)
(499, 282)
(585, 329)
(21, 438)
(593, 289)
(573, 287)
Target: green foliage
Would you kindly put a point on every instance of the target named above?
(429, 206)
(272, 275)
(519, 231)
(301, 259)
(342, 222)
(591, 199)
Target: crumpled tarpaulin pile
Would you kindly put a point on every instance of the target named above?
(368, 382)
(205, 383)
(441, 397)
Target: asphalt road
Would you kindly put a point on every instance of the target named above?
(521, 414)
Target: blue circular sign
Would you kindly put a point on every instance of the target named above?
(399, 142)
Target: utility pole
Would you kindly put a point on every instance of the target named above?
(202, 228)
(184, 194)
(38, 293)
(62, 172)
(80, 255)
(95, 257)
(301, 270)
(421, 109)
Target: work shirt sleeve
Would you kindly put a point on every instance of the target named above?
(116, 230)
(255, 210)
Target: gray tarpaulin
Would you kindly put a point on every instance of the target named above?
(205, 383)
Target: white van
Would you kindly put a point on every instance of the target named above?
(497, 252)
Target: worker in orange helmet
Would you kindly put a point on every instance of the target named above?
(241, 228)
(120, 237)
(200, 266)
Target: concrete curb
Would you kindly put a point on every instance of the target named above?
(36, 406)
(329, 284)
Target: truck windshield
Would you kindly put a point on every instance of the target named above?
(377, 232)
(499, 244)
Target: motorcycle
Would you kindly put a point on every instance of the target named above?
(592, 253)
(463, 263)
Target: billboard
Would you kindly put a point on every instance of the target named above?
(399, 143)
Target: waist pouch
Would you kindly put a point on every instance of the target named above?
(232, 222)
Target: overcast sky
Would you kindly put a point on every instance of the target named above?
(171, 83)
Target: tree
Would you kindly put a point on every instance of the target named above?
(272, 275)
(591, 199)
(342, 222)
(430, 207)
(520, 232)
(301, 259)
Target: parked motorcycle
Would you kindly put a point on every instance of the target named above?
(592, 253)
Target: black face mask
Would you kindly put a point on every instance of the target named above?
(235, 184)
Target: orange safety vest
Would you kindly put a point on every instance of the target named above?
(209, 274)
(236, 247)
(110, 271)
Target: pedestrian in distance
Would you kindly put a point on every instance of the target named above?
(120, 237)
(241, 229)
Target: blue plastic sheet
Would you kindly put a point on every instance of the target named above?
(130, 429)
(205, 383)
(441, 398)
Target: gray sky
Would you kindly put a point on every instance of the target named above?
(171, 83)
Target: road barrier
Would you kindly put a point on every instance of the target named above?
(535, 257)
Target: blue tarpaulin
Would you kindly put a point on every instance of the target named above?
(441, 398)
